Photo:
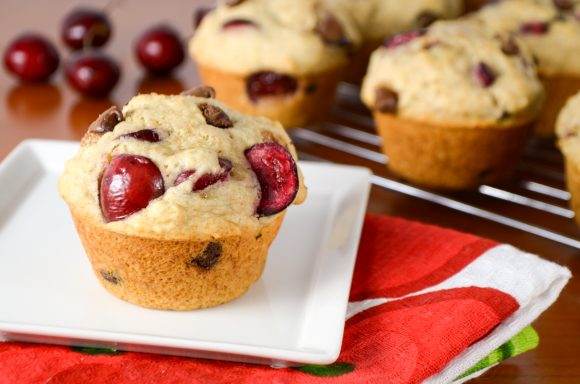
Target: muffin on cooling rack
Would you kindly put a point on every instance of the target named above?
(379, 19)
(568, 130)
(551, 30)
(177, 198)
(281, 59)
(452, 103)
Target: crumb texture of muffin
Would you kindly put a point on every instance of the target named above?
(568, 131)
(297, 37)
(551, 30)
(377, 19)
(177, 199)
(276, 58)
(454, 73)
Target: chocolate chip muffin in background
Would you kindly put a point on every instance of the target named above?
(276, 58)
(568, 131)
(551, 30)
(380, 19)
(453, 103)
(177, 198)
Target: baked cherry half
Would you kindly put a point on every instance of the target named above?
(127, 185)
(206, 179)
(277, 175)
(268, 83)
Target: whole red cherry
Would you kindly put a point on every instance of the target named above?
(159, 50)
(127, 185)
(84, 28)
(93, 74)
(31, 58)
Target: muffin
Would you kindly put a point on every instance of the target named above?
(453, 104)
(551, 30)
(177, 199)
(380, 19)
(276, 58)
(568, 131)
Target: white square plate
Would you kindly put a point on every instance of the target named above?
(294, 314)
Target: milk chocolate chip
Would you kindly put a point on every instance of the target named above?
(107, 120)
(208, 257)
(215, 116)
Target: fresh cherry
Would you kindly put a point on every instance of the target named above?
(207, 179)
(159, 50)
(267, 83)
(277, 175)
(127, 185)
(144, 134)
(404, 38)
(93, 74)
(31, 57)
(84, 28)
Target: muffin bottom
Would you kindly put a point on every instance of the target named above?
(311, 101)
(448, 157)
(175, 274)
(573, 184)
(558, 91)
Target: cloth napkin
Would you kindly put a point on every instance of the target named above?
(427, 304)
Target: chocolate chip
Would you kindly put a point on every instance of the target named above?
(200, 91)
(510, 47)
(107, 120)
(208, 257)
(111, 277)
(564, 5)
(484, 75)
(426, 18)
(258, 236)
(215, 116)
(331, 31)
(232, 3)
(386, 100)
(199, 14)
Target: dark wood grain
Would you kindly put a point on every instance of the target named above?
(54, 111)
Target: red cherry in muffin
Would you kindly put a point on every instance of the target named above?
(84, 28)
(206, 179)
(404, 38)
(534, 28)
(238, 23)
(127, 185)
(277, 175)
(31, 57)
(267, 83)
(93, 74)
(159, 50)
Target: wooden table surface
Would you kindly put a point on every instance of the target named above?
(54, 111)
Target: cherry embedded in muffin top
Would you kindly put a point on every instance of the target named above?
(127, 185)
(277, 175)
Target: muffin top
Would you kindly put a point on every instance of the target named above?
(297, 37)
(177, 167)
(568, 127)
(454, 73)
(550, 28)
(377, 19)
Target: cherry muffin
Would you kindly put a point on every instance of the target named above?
(452, 103)
(551, 30)
(177, 198)
(280, 59)
(568, 131)
(380, 19)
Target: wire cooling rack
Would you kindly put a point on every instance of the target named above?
(535, 201)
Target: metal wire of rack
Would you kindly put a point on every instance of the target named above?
(538, 184)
